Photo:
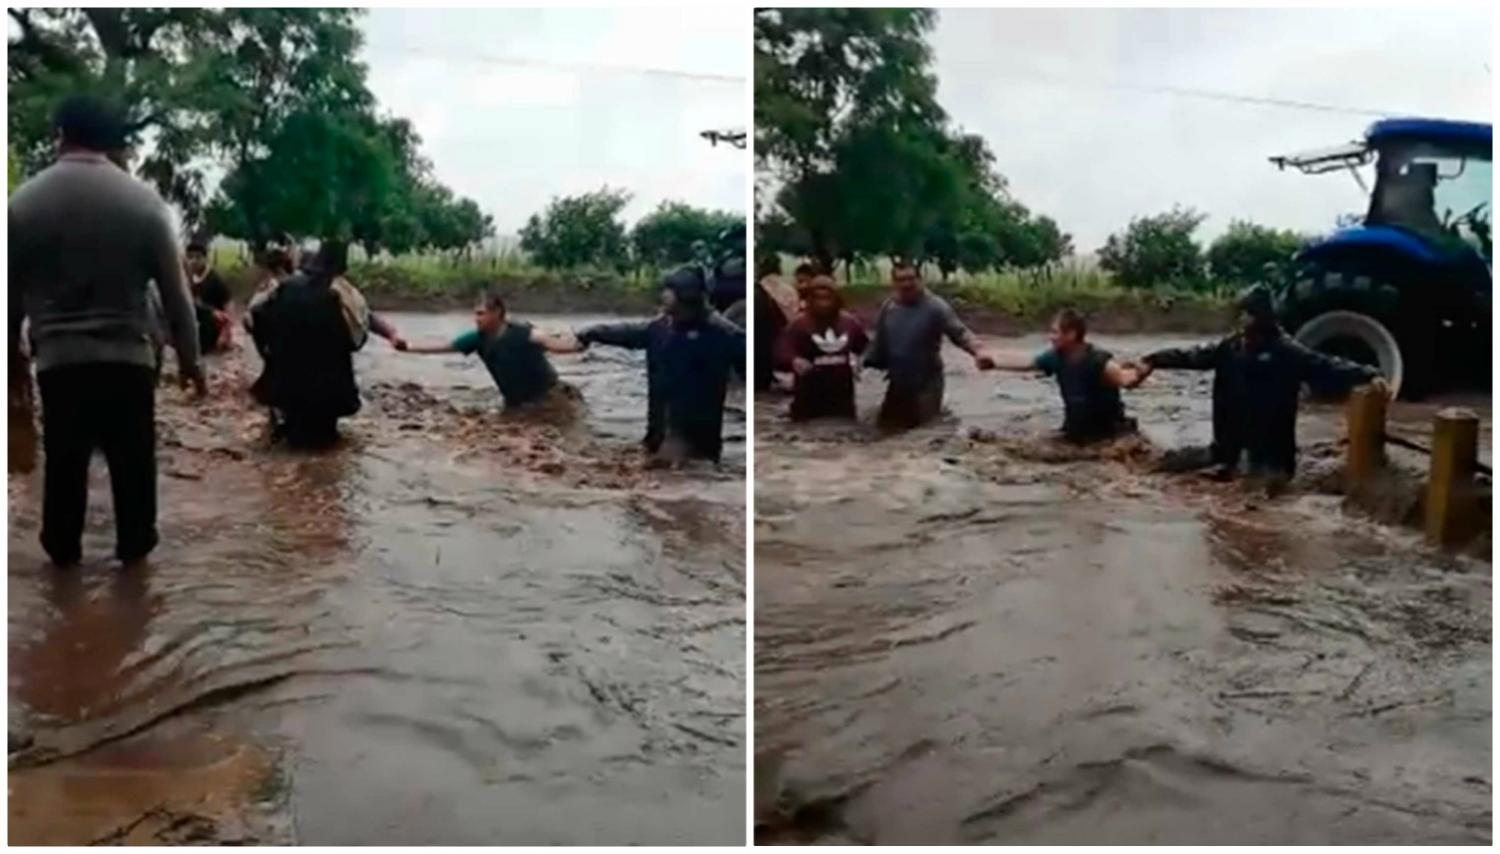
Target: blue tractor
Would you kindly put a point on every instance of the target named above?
(1408, 289)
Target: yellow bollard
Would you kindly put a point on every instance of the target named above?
(1366, 422)
(1452, 500)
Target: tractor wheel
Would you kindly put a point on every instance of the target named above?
(1358, 338)
(1366, 319)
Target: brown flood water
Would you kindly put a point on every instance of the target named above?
(454, 628)
(997, 641)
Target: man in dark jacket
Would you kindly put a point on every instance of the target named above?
(302, 334)
(1258, 376)
(86, 242)
(691, 352)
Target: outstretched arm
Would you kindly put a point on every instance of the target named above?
(632, 335)
(556, 342)
(1201, 358)
(387, 330)
(963, 338)
(1331, 371)
(1014, 360)
(1124, 374)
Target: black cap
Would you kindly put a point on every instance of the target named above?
(687, 284)
(1257, 302)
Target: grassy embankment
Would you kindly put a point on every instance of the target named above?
(431, 283)
(1025, 301)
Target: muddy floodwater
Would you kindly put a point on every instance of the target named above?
(970, 633)
(457, 627)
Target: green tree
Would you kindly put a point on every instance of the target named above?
(577, 231)
(667, 235)
(274, 99)
(1245, 252)
(1156, 250)
(863, 158)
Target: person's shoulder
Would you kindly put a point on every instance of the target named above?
(1099, 355)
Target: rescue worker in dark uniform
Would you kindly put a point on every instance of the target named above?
(691, 352)
(1259, 372)
(303, 335)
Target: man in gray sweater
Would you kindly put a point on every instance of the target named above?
(86, 240)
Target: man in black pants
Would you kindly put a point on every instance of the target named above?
(86, 240)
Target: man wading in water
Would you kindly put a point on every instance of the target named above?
(307, 328)
(907, 345)
(515, 352)
(1088, 377)
(1258, 376)
(822, 347)
(690, 353)
(86, 240)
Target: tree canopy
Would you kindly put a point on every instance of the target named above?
(864, 159)
(579, 231)
(675, 231)
(274, 99)
(1156, 250)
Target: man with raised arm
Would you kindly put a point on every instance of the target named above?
(907, 340)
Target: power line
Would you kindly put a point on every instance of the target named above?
(1189, 92)
(553, 65)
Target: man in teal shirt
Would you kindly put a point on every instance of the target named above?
(515, 352)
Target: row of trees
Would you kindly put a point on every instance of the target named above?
(586, 231)
(275, 100)
(864, 161)
(1161, 250)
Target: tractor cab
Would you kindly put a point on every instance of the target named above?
(1408, 288)
(1432, 181)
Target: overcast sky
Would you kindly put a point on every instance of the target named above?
(1044, 87)
(512, 136)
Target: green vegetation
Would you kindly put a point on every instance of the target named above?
(1030, 298)
(1248, 253)
(1161, 250)
(275, 99)
(866, 162)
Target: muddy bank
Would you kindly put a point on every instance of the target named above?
(457, 627)
(1002, 642)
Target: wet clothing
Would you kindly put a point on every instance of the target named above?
(907, 344)
(1256, 392)
(110, 407)
(210, 302)
(211, 291)
(1092, 409)
(833, 349)
(687, 376)
(518, 364)
(301, 333)
(770, 324)
(85, 241)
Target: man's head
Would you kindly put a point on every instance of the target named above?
(770, 265)
(1257, 311)
(822, 297)
(804, 275)
(685, 296)
(89, 123)
(906, 282)
(489, 312)
(1068, 331)
(196, 256)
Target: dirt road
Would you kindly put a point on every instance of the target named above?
(996, 641)
(456, 628)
